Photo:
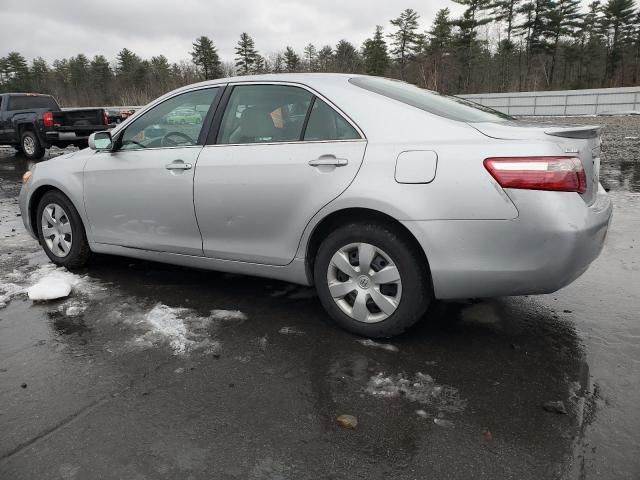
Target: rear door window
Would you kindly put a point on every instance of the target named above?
(264, 114)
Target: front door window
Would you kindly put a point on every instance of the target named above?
(176, 122)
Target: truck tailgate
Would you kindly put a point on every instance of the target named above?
(79, 119)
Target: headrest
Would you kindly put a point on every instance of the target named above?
(256, 122)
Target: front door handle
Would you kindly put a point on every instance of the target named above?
(178, 165)
(329, 160)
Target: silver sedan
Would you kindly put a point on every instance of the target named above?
(382, 195)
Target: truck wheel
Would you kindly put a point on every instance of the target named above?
(371, 281)
(61, 232)
(30, 146)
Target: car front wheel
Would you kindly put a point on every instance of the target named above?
(61, 232)
(371, 280)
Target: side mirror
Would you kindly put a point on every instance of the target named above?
(100, 141)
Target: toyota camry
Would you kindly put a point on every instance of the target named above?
(382, 195)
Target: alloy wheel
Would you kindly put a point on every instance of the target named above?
(28, 145)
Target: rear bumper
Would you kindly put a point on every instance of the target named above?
(552, 242)
(55, 138)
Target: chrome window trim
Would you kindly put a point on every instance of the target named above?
(152, 149)
(289, 142)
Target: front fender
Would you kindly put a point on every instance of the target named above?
(64, 173)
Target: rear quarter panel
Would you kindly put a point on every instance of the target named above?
(462, 188)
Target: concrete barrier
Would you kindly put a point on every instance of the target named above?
(598, 101)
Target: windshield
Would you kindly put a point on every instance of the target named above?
(454, 108)
(28, 102)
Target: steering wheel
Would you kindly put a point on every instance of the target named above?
(167, 141)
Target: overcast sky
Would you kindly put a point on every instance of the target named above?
(56, 29)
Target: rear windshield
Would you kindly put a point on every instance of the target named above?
(29, 102)
(442, 105)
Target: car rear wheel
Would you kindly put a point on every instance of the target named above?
(30, 146)
(61, 232)
(371, 280)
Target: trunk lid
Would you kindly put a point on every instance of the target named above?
(582, 141)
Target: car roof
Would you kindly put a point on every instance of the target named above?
(310, 79)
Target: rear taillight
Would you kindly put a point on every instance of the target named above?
(562, 174)
(105, 118)
(47, 119)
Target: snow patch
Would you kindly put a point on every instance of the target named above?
(49, 288)
(49, 283)
(73, 309)
(8, 291)
(228, 315)
(422, 389)
(384, 346)
(182, 328)
(165, 322)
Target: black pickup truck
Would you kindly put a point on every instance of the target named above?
(32, 122)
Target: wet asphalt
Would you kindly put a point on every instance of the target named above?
(90, 387)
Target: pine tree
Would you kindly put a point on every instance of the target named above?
(439, 35)
(405, 40)
(467, 36)
(374, 51)
(277, 63)
(260, 65)
(205, 56)
(533, 25)
(617, 20)
(325, 59)
(346, 59)
(246, 55)
(505, 11)
(291, 60)
(40, 75)
(160, 73)
(310, 57)
(589, 43)
(127, 62)
(562, 20)
(635, 78)
(16, 72)
(438, 46)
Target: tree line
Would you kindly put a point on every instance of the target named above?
(495, 45)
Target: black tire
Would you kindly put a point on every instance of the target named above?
(33, 150)
(417, 291)
(79, 253)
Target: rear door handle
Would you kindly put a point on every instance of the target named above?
(178, 165)
(329, 160)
